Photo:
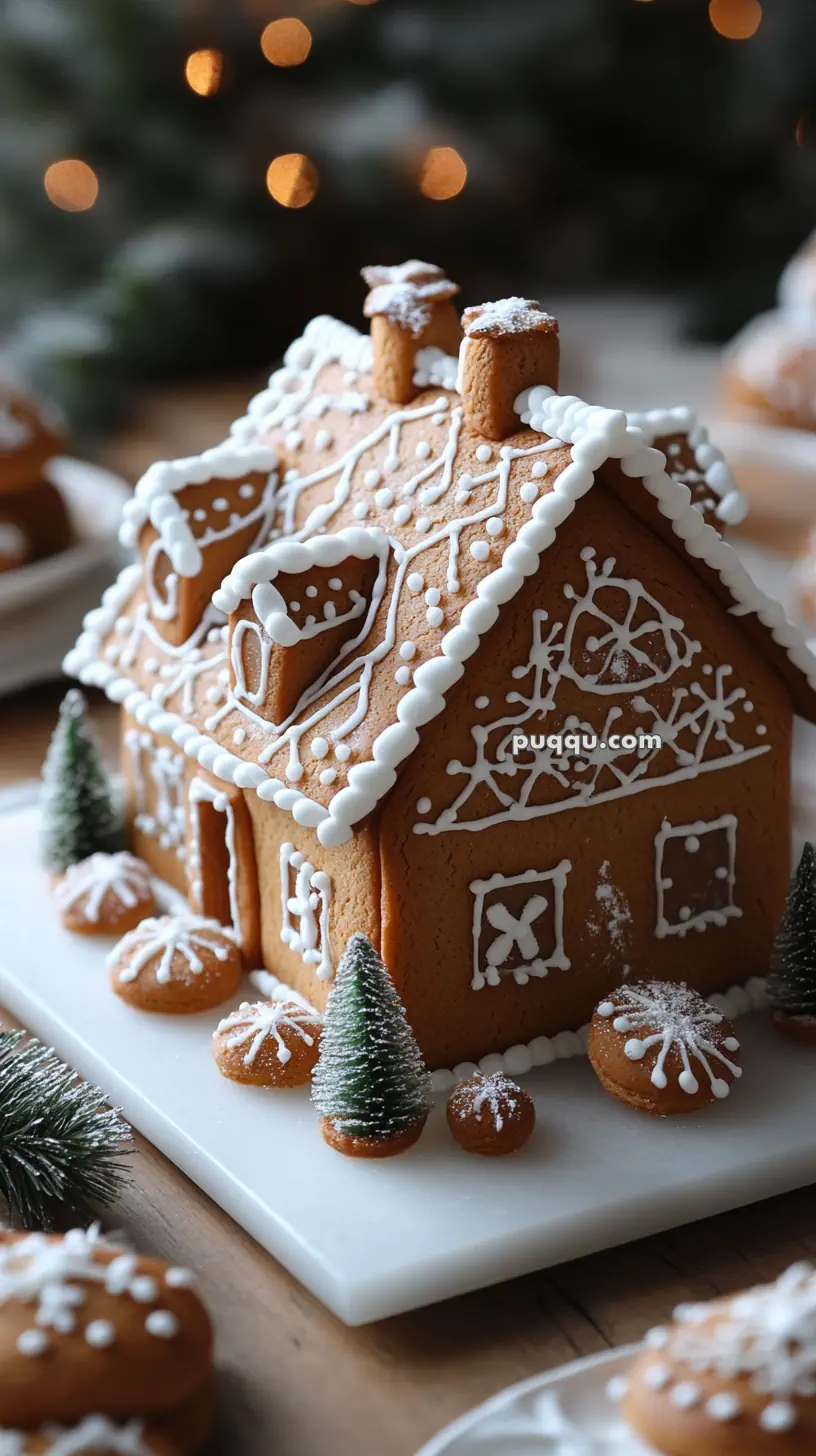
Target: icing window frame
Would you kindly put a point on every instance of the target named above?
(693, 834)
(490, 974)
(305, 911)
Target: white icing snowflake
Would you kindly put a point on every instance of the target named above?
(126, 878)
(495, 1096)
(94, 1433)
(256, 1022)
(767, 1334)
(674, 1018)
(168, 937)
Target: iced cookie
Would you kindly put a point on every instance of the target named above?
(175, 964)
(660, 1048)
(87, 1327)
(268, 1043)
(95, 1435)
(30, 434)
(491, 1115)
(106, 894)
(736, 1377)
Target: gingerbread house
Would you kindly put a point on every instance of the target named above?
(428, 650)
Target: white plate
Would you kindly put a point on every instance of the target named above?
(372, 1239)
(95, 498)
(565, 1412)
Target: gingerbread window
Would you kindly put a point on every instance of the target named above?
(157, 784)
(518, 926)
(695, 875)
(305, 901)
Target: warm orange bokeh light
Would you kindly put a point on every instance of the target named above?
(736, 19)
(71, 185)
(292, 179)
(203, 71)
(286, 42)
(443, 174)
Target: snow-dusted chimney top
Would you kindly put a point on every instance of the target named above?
(410, 308)
(509, 346)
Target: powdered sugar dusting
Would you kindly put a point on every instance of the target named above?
(494, 1099)
(673, 1018)
(406, 293)
(505, 316)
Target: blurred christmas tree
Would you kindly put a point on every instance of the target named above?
(543, 144)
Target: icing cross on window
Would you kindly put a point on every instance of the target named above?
(530, 926)
(515, 930)
(305, 914)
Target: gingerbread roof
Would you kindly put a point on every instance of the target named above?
(465, 519)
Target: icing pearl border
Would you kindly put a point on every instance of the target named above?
(542, 1050)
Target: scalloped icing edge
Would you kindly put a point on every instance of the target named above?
(542, 1050)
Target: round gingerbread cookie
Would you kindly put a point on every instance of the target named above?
(177, 964)
(105, 894)
(268, 1044)
(736, 1377)
(89, 1327)
(93, 1436)
(30, 434)
(491, 1115)
(659, 1047)
(769, 372)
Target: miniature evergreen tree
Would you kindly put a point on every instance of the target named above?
(792, 979)
(79, 812)
(370, 1084)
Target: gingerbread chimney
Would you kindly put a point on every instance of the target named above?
(509, 346)
(410, 309)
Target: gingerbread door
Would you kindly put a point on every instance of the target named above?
(222, 876)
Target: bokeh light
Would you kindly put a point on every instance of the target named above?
(442, 174)
(735, 19)
(286, 42)
(203, 71)
(292, 179)
(71, 184)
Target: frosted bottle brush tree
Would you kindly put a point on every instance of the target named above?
(792, 978)
(370, 1085)
(80, 815)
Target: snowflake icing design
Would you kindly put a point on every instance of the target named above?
(121, 875)
(673, 1018)
(262, 1021)
(767, 1334)
(614, 662)
(168, 937)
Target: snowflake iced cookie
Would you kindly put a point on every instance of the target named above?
(106, 894)
(490, 1115)
(268, 1043)
(660, 1048)
(736, 1377)
(88, 1328)
(93, 1436)
(177, 964)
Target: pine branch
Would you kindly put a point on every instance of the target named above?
(61, 1143)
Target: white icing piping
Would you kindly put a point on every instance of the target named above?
(154, 499)
(288, 394)
(542, 1050)
(253, 577)
(203, 793)
(596, 435)
(657, 424)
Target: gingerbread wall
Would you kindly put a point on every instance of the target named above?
(345, 887)
(626, 861)
(155, 774)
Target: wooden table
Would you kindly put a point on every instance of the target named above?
(295, 1380)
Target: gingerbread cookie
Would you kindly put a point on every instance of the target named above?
(268, 1044)
(736, 1377)
(491, 1115)
(88, 1327)
(769, 374)
(660, 1048)
(95, 1435)
(178, 964)
(106, 894)
(30, 434)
